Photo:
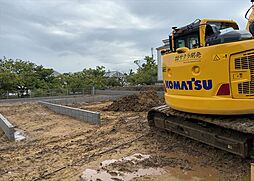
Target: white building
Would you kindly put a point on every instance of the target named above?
(159, 59)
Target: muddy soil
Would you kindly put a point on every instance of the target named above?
(61, 148)
(137, 102)
(1, 134)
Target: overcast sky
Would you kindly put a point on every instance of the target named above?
(70, 35)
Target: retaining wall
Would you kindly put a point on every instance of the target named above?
(7, 127)
(81, 114)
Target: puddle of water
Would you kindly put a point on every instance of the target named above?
(19, 136)
(144, 172)
(90, 174)
(94, 175)
(137, 157)
(112, 175)
(109, 172)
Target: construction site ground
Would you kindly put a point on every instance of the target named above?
(123, 147)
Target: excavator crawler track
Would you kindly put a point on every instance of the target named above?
(234, 134)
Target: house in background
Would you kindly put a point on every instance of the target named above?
(116, 74)
(55, 73)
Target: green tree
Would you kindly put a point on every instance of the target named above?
(95, 77)
(19, 75)
(84, 79)
(114, 81)
(146, 73)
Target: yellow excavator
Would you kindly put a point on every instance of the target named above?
(208, 75)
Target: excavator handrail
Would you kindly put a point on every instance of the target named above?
(248, 12)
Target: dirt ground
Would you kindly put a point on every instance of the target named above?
(58, 147)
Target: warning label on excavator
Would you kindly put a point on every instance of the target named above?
(216, 58)
(219, 57)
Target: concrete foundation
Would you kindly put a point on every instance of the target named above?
(7, 128)
(83, 115)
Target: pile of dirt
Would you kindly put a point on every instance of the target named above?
(140, 88)
(136, 102)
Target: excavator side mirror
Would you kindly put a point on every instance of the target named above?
(182, 50)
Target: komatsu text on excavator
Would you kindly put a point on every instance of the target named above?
(208, 74)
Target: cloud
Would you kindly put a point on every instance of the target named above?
(73, 35)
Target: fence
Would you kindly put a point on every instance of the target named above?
(46, 93)
(70, 96)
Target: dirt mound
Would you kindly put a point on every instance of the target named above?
(137, 102)
(140, 88)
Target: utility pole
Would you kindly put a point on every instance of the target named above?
(152, 52)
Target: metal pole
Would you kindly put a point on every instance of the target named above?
(252, 172)
(152, 52)
(93, 91)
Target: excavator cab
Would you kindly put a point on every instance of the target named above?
(186, 37)
(207, 33)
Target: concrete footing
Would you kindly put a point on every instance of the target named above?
(83, 115)
(7, 127)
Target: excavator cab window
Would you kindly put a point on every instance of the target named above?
(221, 32)
(209, 31)
(213, 28)
(223, 25)
(180, 43)
(191, 41)
(187, 36)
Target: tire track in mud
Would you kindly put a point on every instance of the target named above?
(40, 142)
(205, 156)
(75, 144)
(87, 157)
